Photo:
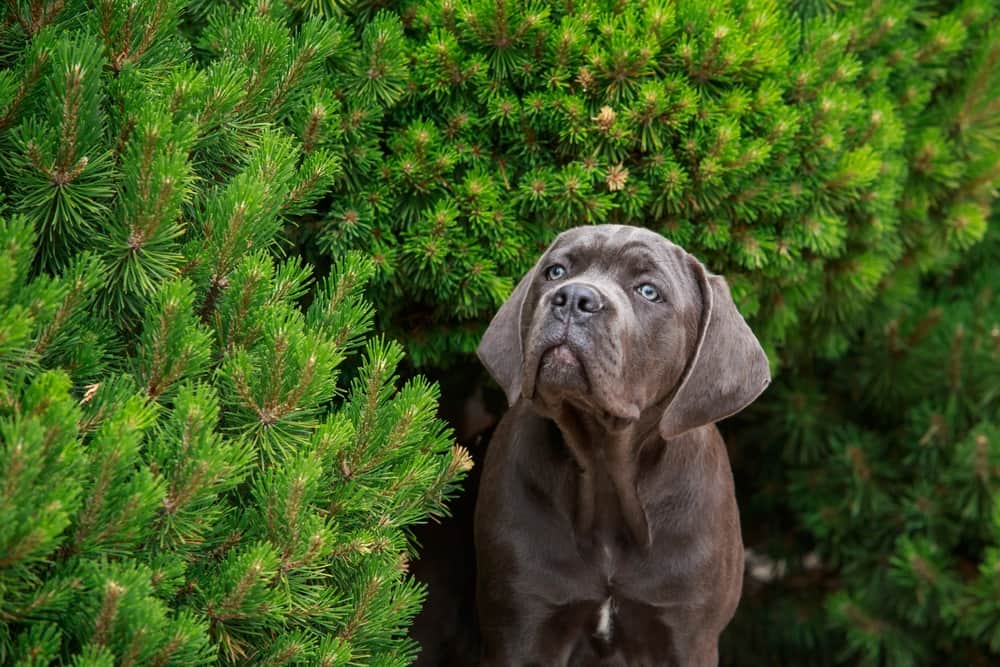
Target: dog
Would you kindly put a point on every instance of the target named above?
(606, 526)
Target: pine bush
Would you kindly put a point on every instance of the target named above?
(821, 155)
(881, 502)
(205, 455)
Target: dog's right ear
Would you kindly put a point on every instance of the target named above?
(500, 349)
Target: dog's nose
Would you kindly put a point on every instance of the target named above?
(576, 299)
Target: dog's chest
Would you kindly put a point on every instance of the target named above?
(617, 609)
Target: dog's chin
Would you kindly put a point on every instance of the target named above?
(562, 376)
(560, 372)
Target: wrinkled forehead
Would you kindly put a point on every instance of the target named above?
(617, 246)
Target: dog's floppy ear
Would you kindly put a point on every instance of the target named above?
(500, 348)
(728, 369)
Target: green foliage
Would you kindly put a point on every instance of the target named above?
(822, 160)
(175, 514)
(206, 457)
(187, 476)
(891, 472)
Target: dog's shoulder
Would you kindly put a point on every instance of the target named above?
(521, 431)
(524, 453)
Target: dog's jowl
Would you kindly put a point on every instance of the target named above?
(606, 525)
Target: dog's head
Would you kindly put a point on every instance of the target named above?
(621, 321)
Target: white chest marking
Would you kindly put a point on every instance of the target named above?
(603, 631)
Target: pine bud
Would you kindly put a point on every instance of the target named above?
(617, 177)
(89, 392)
(461, 460)
(605, 118)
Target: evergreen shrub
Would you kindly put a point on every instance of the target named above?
(873, 486)
(201, 457)
(205, 456)
(822, 160)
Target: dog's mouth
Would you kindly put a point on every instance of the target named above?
(561, 369)
(570, 364)
(562, 374)
(560, 355)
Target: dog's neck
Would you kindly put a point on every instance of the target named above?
(606, 452)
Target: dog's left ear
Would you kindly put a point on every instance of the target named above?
(728, 369)
(500, 348)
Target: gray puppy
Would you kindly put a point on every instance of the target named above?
(606, 527)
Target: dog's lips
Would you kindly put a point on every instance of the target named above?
(557, 359)
(560, 354)
(560, 369)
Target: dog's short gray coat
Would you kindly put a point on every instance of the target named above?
(606, 524)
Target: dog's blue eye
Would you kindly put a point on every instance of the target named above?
(647, 291)
(555, 272)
